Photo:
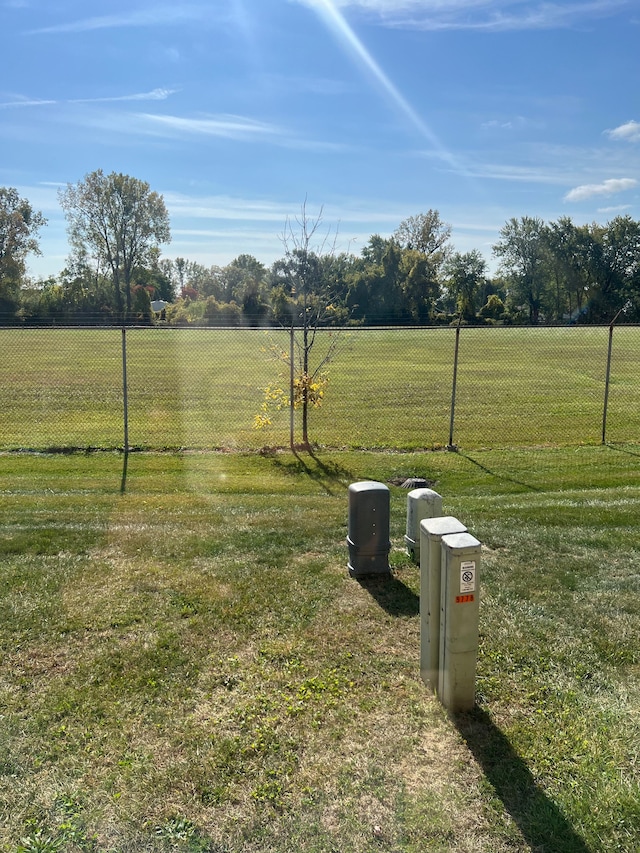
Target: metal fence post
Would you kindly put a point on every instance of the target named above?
(291, 387)
(608, 373)
(125, 393)
(125, 409)
(451, 445)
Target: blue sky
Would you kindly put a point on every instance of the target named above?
(374, 110)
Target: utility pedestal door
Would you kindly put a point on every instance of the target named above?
(459, 621)
(431, 532)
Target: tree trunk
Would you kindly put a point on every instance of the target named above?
(118, 295)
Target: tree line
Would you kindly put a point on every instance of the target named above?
(548, 272)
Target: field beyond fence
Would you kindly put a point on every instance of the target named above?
(201, 388)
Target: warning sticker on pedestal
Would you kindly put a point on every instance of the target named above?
(467, 576)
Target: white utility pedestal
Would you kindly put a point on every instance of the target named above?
(431, 532)
(459, 621)
(421, 503)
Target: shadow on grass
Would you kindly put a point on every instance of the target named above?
(125, 466)
(622, 449)
(391, 594)
(540, 821)
(326, 474)
(499, 476)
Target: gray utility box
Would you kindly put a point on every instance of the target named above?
(368, 538)
(431, 532)
(459, 621)
(421, 503)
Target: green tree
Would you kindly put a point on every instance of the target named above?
(19, 226)
(87, 291)
(425, 241)
(156, 278)
(335, 271)
(601, 266)
(181, 266)
(118, 221)
(41, 303)
(190, 275)
(570, 248)
(493, 308)
(141, 305)
(244, 272)
(244, 282)
(524, 256)
(393, 284)
(466, 277)
(425, 233)
(375, 293)
(419, 283)
(618, 269)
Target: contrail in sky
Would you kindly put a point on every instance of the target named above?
(338, 25)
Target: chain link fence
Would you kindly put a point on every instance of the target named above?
(161, 388)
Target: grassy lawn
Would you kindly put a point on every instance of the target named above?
(189, 667)
(201, 388)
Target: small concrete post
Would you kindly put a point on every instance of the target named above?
(421, 503)
(459, 621)
(431, 532)
(368, 538)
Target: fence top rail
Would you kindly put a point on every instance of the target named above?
(351, 329)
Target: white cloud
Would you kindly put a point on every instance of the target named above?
(89, 113)
(158, 16)
(26, 102)
(44, 197)
(542, 174)
(629, 132)
(236, 208)
(514, 123)
(226, 208)
(239, 128)
(154, 95)
(228, 126)
(609, 187)
(495, 124)
(617, 208)
(488, 15)
(295, 84)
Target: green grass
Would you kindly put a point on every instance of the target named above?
(188, 665)
(201, 388)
